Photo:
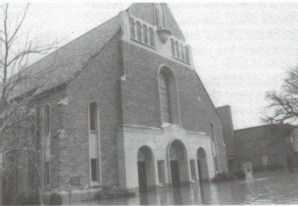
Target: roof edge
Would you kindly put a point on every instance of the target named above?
(77, 73)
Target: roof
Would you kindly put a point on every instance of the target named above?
(282, 130)
(65, 63)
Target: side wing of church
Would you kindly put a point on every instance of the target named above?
(126, 107)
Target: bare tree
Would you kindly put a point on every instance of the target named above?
(283, 105)
(18, 126)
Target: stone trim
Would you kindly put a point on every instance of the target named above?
(125, 30)
(195, 132)
(140, 127)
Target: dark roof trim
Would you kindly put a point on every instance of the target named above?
(208, 96)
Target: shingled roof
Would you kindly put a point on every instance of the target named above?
(65, 63)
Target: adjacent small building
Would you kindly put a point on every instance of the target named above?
(261, 147)
(265, 146)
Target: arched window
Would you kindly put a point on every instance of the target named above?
(139, 31)
(151, 37)
(94, 135)
(132, 28)
(177, 49)
(169, 101)
(173, 47)
(92, 116)
(47, 119)
(37, 124)
(164, 97)
(186, 54)
(145, 34)
(212, 131)
(46, 146)
(182, 52)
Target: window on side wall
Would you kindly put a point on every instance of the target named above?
(92, 116)
(173, 47)
(132, 28)
(151, 37)
(165, 98)
(145, 34)
(47, 119)
(94, 169)
(139, 31)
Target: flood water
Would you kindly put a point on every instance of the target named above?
(278, 187)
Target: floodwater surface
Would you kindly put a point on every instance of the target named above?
(278, 187)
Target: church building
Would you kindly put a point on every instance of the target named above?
(124, 106)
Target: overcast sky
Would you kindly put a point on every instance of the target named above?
(240, 50)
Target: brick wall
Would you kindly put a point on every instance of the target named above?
(99, 82)
(56, 118)
(141, 101)
(254, 143)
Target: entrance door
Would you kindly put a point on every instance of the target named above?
(175, 173)
(142, 176)
(199, 170)
(202, 164)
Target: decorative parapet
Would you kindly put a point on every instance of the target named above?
(158, 40)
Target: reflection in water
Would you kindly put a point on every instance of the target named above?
(144, 199)
(177, 197)
(182, 195)
(262, 189)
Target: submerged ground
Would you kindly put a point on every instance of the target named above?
(273, 187)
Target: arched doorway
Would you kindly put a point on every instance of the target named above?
(178, 163)
(202, 164)
(145, 168)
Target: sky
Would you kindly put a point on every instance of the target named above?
(240, 50)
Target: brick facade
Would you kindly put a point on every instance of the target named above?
(122, 78)
(269, 142)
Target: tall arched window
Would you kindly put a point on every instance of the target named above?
(151, 37)
(182, 52)
(164, 97)
(169, 101)
(212, 131)
(132, 28)
(186, 54)
(47, 119)
(94, 144)
(139, 31)
(177, 49)
(145, 34)
(92, 116)
(173, 47)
